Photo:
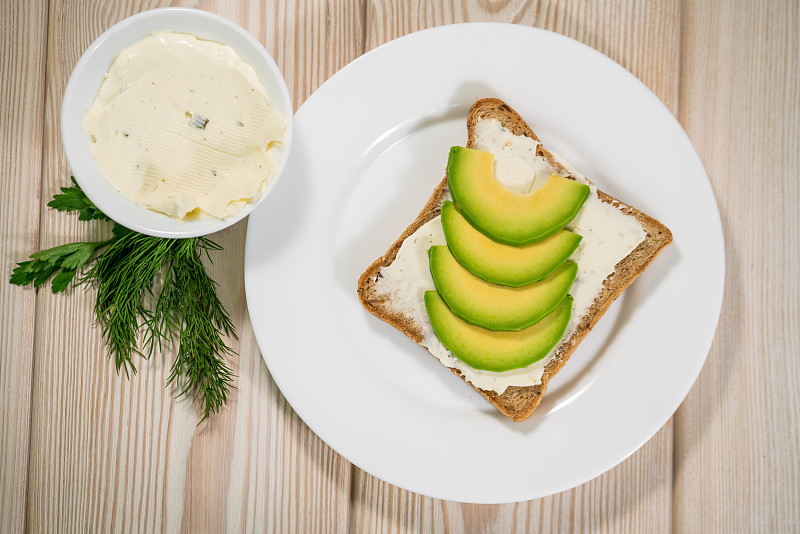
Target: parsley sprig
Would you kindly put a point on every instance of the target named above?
(74, 199)
(145, 285)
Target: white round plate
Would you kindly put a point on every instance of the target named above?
(370, 145)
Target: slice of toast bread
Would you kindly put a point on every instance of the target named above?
(517, 402)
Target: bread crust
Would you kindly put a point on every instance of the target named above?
(518, 402)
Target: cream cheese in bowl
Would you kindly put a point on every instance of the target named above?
(176, 123)
(184, 127)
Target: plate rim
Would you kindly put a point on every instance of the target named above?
(719, 290)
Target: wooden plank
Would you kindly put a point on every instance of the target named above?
(737, 460)
(23, 45)
(636, 495)
(98, 440)
(88, 440)
(279, 470)
(114, 454)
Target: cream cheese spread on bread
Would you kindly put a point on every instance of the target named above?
(608, 236)
(183, 126)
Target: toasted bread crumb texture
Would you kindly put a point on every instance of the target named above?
(517, 402)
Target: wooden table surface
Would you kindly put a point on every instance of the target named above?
(85, 450)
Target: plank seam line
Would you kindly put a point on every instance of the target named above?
(364, 26)
(42, 157)
(681, 54)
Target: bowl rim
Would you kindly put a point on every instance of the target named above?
(81, 163)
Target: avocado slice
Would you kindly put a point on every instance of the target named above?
(505, 216)
(493, 306)
(504, 264)
(496, 351)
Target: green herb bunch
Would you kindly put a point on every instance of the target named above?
(125, 270)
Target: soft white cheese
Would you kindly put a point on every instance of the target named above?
(184, 127)
(608, 236)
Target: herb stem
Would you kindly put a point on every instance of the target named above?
(125, 270)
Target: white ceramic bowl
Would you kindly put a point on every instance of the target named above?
(85, 82)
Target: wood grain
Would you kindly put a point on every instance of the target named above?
(85, 450)
(737, 460)
(111, 454)
(23, 48)
(636, 495)
(301, 471)
(282, 478)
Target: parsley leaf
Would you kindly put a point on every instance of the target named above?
(74, 199)
(64, 261)
(124, 270)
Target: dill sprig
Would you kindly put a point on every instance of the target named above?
(124, 276)
(125, 271)
(199, 364)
